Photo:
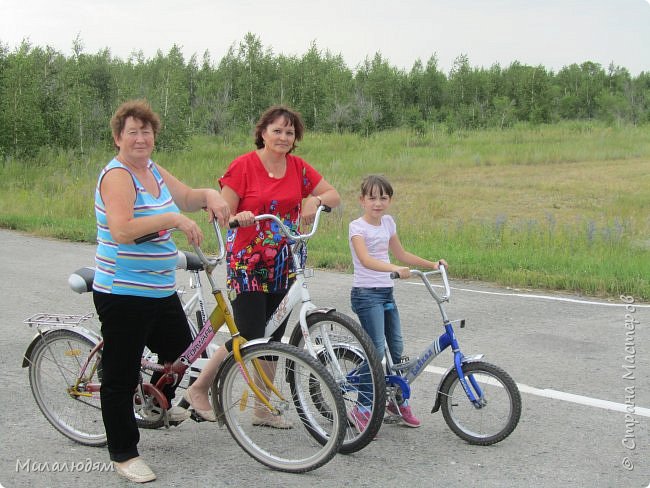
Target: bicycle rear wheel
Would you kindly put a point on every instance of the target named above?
(352, 348)
(499, 407)
(55, 376)
(289, 446)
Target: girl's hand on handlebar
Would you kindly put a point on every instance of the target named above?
(440, 262)
(403, 272)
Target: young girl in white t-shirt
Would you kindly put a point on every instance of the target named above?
(371, 237)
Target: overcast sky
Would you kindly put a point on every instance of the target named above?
(551, 33)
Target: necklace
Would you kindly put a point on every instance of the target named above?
(281, 168)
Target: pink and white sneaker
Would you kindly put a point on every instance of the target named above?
(359, 419)
(405, 413)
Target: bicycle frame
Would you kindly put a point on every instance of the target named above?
(298, 291)
(195, 302)
(410, 371)
(220, 315)
(170, 372)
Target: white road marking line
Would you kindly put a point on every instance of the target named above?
(542, 297)
(566, 397)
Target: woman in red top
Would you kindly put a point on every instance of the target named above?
(260, 268)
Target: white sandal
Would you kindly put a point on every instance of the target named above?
(136, 470)
(275, 421)
(204, 414)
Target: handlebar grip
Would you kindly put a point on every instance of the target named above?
(150, 236)
(233, 224)
(394, 275)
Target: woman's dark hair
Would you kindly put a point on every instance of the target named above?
(379, 182)
(271, 115)
(138, 109)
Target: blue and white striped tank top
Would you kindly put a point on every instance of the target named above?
(148, 269)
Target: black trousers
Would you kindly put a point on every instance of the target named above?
(130, 323)
(251, 310)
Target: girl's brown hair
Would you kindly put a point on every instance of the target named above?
(379, 182)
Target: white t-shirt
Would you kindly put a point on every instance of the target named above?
(376, 238)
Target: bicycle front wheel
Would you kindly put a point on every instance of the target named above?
(355, 366)
(280, 439)
(499, 405)
(59, 384)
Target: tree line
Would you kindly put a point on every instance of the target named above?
(48, 99)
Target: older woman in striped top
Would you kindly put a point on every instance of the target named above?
(134, 288)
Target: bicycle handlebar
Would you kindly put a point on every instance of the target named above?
(209, 263)
(152, 235)
(424, 276)
(284, 229)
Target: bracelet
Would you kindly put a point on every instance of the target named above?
(320, 201)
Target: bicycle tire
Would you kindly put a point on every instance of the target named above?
(351, 345)
(288, 449)
(54, 368)
(495, 419)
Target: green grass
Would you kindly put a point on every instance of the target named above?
(557, 207)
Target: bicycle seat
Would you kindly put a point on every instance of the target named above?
(81, 280)
(189, 261)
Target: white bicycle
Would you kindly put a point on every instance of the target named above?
(336, 339)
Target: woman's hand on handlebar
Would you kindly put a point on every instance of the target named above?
(309, 209)
(217, 207)
(244, 219)
(191, 230)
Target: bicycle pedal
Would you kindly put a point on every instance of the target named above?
(196, 417)
(392, 419)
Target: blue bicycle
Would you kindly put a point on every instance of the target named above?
(480, 402)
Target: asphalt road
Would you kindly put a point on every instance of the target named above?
(584, 422)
